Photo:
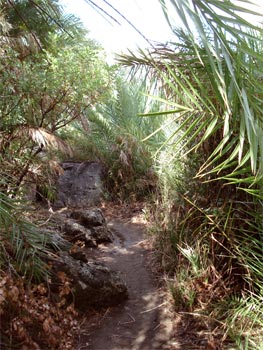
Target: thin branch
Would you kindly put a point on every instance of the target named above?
(56, 101)
(129, 22)
(25, 171)
(154, 308)
(40, 8)
(115, 20)
(95, 6)
(25, 23)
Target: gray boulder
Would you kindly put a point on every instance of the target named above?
(58, 244)
(55, 241)
(89, 217)
(94, 285)
(94, 222)
(75, 232)
(80, 185)
(101, 234)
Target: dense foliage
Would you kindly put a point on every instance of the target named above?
(51, 73)
(116, 136)
(209, 227)
(44, 90)
(188, 131)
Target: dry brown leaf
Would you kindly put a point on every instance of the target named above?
(47, 325)
(13, 294)
(45, 138)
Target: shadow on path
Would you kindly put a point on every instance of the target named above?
(141, 323)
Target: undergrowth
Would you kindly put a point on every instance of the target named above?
(30, 319)
(32, 316)
(208, 239)
(115, 137)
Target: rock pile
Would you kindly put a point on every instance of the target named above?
(94, 284)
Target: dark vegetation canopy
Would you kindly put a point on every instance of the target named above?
(177, 125)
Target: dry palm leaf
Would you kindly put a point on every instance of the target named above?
(45, 139)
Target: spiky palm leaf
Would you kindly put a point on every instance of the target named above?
(213, 75)
(23, 248)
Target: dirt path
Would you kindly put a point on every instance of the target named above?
(141, 323)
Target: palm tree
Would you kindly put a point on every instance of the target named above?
(114, 136)
(35, 21)
(212, 78)
(214, 72)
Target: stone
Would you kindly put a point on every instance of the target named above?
(94, 221)
(102, 234)
(55, 241)
(90, 217)
(74, 231)
(80, 185)
(94, 284)
(79, 254)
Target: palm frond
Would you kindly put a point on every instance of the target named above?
(44, 138)
(214, 66)
(23, 248)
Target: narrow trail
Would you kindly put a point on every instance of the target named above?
(142, 322)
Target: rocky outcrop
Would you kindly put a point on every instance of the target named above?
(94, 223)
(89, 218)
(55, 241)
(76, 232)
(93, 283)
(80, 185)
(88, 225)
(102, 234)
